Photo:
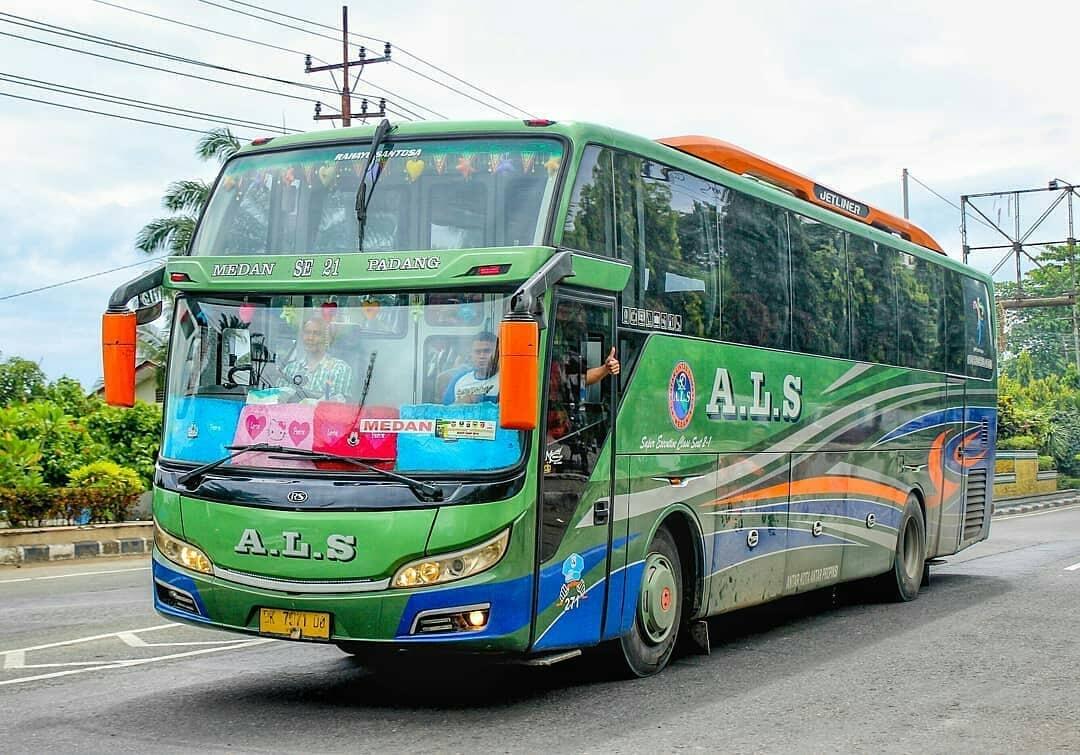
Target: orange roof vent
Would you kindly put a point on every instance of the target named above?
(738, 160)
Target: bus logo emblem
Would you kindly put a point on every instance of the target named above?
(297, 496)
(681, 396)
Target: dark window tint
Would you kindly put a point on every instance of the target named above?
(630, 220)
(589, 219)
(819, 291)
(676, 266)
(873, 300)
(978, 335)
(755, 305)
(954, 322)
(919, 288)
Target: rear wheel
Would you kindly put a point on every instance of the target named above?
(902, 582)
(647, 647)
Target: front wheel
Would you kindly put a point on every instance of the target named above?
(648, 646)
(902, 582)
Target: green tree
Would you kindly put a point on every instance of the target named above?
(1045, 333)
(185, 200)
(20, 381)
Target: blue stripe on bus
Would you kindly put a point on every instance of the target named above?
(510, 602)
(955, 415)
(851, 508)
(163, 573)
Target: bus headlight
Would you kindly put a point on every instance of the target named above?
(179, 552)
(448, 567)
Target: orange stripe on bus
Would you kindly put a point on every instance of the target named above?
(830, 484)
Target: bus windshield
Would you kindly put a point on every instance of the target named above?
(407, 382)
(424, 195)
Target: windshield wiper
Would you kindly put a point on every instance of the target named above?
(423, 490)
(363, 194)
(199, 472)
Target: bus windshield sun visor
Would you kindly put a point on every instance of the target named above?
(424, 491)
(363, 193)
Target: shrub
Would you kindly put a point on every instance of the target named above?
(107, 489)
(1046, 463)
(1019, 443)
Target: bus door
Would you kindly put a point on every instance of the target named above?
(575, 496)
(951, 506)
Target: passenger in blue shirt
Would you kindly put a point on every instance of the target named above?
(478, 382)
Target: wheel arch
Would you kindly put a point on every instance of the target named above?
(681, 521)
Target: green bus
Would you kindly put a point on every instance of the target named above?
(524, 388)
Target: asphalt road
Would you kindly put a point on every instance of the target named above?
(985, 660)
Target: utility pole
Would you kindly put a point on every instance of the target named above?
(347, 113)
(904, 186)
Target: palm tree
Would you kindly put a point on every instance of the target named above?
(185, 200)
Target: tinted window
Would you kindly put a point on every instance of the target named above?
(755, 304)
(589, 221)
(954, 322)
(978, 334)
(677, 270)
(919, 291)
(819, 306)
(873, 300)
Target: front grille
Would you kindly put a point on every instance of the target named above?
(974, 504)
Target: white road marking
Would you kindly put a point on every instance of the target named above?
(133, 640)
(1074, 567)
(86, 639)
(68, 576)
(126, 664)
(1005, 517)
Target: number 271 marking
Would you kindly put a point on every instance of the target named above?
(331, 266)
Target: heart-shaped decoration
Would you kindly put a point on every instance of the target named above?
(255, 425)
(298, 431)
(414, 168)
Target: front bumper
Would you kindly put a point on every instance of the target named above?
(382, 616)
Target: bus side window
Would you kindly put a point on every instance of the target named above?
(756, 305)
(590, 218)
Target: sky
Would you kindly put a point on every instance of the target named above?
(969, 97)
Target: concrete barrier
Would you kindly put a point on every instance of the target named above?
(40, 544)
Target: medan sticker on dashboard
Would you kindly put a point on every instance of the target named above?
(458, 429)
(681, 396)
(400, 426)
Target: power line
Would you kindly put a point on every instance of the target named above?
(398, 48)
(133, 48)
(943, 199)
(112, 115)
(64, 31)
(383, 90)
(364, 36)
(157, 68)
(206, 29)
(80, 278)
(113, 99)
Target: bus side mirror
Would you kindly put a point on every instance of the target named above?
(118, 357)
(519, 371)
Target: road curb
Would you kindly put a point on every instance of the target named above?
(1007, 508)
(41, 545)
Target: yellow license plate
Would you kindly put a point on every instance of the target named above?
(296, 625)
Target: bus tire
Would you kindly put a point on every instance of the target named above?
(648, 646)
(902, 582)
